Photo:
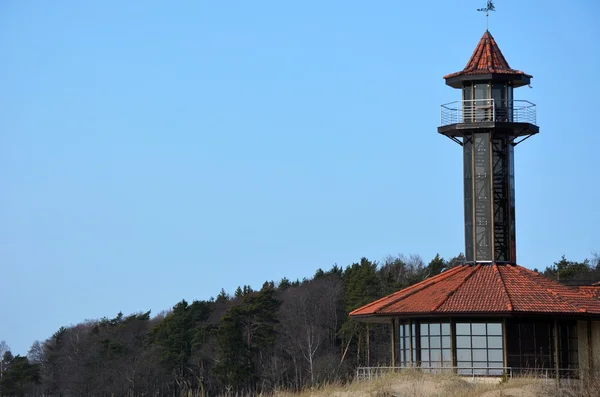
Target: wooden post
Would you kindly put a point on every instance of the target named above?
(453, 344)
(410, 344)
(556, 355)
(504, 348)
(368, 345)
(394, 344)
(591, 357)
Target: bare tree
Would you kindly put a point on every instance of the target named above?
(4, 348)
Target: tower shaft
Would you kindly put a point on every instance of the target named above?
(488, 161)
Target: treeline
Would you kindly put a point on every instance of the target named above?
(287, 335)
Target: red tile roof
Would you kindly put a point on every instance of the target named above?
(487, 58)
(482, 289)
(593, 290)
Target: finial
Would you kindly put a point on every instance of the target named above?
(489, 7)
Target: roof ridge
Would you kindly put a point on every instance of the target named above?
(509, 306)
(545, 288)
(493, 45)
(452, 292)
(408, 291)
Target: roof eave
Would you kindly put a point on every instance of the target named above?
(387, 317)
(517, 79)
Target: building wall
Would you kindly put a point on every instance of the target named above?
(588, 335)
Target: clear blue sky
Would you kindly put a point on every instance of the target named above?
(152, 151)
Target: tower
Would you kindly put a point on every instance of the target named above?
(488, 123)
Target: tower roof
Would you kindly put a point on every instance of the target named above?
(484, 289)
(487, 59)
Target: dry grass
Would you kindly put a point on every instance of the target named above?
(417, 384)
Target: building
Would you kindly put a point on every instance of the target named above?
(491, 316)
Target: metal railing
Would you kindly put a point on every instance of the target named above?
(366, 373)
(488, 110)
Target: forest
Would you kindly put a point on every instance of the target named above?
(286, 335)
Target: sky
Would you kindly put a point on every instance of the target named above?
(154, 151)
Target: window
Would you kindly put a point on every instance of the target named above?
(467, 103)
(500, 102)
(435, 345)
(404, 337)
(567, 345)
(482, 102)
(479, 348)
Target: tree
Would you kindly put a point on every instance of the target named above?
(36, 353)
(223, 296)
(361, 286)
(566, 270)
(284, 284)
(178, 336)
(456, 261)
(20, 377)
(309, 318)
(436, 266)
(4, 358)
(244, 335)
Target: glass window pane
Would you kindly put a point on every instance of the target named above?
(495, 355)
(424, 329)
(463, 342)
(494, 342)
(479, 342)
(446, 329)
(494, 329)
(446, 342)
(463, 355)
(482, 371)
(463, 329)
(434, 329)
(424, 342)
(480, 364)
(479, 355)
(478, 329)
(446, 355)
(435, 342)
(424, 355)
(498, 364)
(401, 343)
(436, 355)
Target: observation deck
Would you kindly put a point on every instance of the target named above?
(515, 118)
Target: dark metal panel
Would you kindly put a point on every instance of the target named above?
(468, 196)
(511, 204)
(483, 219)
(500, 185)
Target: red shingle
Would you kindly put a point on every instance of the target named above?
(487, 58)
(485, 289)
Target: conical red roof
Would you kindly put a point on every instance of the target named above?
(487, 58)
(484, 289)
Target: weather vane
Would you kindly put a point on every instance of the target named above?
(487, 9)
